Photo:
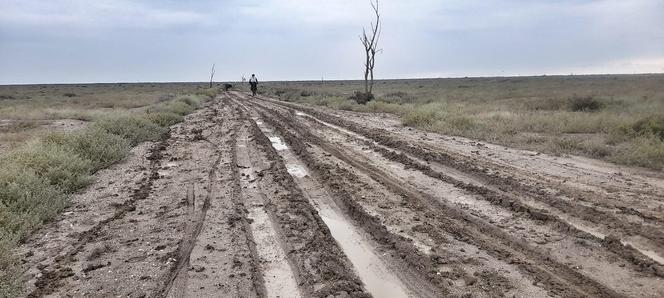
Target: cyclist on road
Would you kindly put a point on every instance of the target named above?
(253, 81)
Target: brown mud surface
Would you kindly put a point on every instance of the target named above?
(253, 197)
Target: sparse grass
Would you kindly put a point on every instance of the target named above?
(59, 165)
(133, 129)
(164, 119)
(614, 118)
(39, 175)
(97, 145)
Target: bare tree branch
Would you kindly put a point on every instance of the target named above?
(370, 43)
(211, 75)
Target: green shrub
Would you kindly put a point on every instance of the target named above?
(191, 101)
(460, 123)
(26, 200)
(9, 281)
(135, 129)
(585, 104)
(208, 92)
(419, 117)
(179, 107)
(652, 125)
(361, 97)
(164, 119)
(94, 144)
(545, 104)
(645, 151)
(60, 165)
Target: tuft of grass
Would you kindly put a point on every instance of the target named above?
(585, 104)
(60, 165)
(651, 125)
(179, 107)
(644, 151)
(208, 92)
(26, 200)
(9, 275)
(134, 129)
(98, 146)
(164, 119)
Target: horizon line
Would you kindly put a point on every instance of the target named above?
(349, 80)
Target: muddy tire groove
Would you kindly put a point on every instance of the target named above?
(421, 265)
(321, 266)
(501, 196)
(558, 276)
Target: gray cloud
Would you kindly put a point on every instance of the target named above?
(125, 40)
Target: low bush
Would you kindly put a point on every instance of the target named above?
(644, 151)
(208, 92)
(585, 104)
(419, 117)
(9, 275)
(26, 200)
(164, 119)
(651, 125)
(94, 144)
(134, 129)
(545, 104)
(194, 102)
(60, 165)
(179, 107)
(361, 97)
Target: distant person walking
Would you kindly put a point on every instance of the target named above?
(253, 81)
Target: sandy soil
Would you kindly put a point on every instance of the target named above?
(252, 197)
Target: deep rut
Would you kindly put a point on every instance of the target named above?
(252, 197)
(557, 275)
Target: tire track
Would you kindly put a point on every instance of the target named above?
(560, 278)
(492, 187)
(379, 273)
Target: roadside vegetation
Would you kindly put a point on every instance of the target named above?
(614, 118)
(39, 175)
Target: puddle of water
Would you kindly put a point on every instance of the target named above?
(373, 272)
(377, 279)
(279, 280)
(277, 143)
(296, 170)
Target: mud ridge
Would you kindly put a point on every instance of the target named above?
(456, 222)
(642, 262)
(241, 211)
(372, 225)
(321, 266)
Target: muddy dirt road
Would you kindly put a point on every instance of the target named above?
(252, 197)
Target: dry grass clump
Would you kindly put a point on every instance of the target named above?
(133, 129)
(99, 146)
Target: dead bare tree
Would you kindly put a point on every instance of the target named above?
(370, 43)
(211, 75)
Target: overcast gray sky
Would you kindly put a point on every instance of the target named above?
(61, 41)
